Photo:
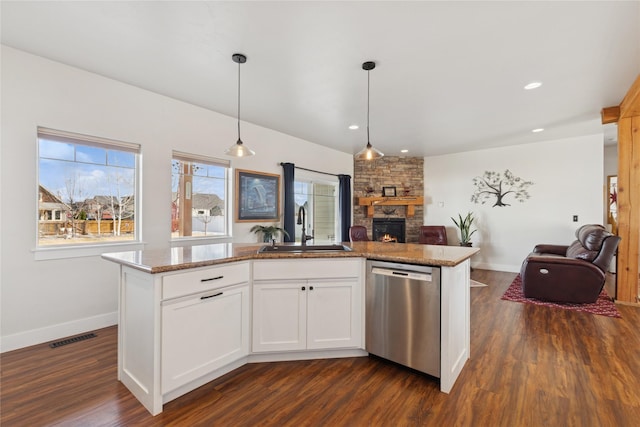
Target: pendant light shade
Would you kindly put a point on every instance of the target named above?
(368, 152)
(239, 149)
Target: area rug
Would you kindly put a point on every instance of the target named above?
(603, 306)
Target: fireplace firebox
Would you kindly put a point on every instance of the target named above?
(389, 230)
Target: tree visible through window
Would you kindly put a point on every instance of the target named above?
(199, 202)
(87, 189)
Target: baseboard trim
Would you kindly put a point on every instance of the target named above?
(286, 356)
(54, 332)
(496, 267)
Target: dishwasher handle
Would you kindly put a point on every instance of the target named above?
(413, 275)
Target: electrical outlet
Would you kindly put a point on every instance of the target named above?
(575, 218)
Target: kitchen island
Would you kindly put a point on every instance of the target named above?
(188, 315)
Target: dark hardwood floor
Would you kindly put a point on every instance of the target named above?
(529, 366)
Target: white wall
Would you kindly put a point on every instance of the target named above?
(567, 176)
(610, 161)
(45, 300)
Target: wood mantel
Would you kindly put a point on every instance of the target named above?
(409, 202)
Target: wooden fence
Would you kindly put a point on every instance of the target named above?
(84, 227)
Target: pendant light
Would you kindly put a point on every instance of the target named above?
(368, 152)
(239, 149)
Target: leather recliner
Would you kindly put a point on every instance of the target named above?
(574, 273)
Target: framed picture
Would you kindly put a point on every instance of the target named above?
(389, 191)
(257, 196)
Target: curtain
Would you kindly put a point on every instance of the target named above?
(344, 205)
(289, 221)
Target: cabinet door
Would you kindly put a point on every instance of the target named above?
(279, 316)
(334, 317)
(203, 333)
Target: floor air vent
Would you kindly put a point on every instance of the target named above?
(72, 340)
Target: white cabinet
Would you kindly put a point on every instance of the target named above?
(179, 330)
(202, 333)
(279, 316)
(334, 314)
(295, 309)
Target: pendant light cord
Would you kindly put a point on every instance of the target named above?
(239, 101)
(368, 78)
(238, 149)
(368, 153)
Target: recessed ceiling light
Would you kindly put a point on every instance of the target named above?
(533, 85)
(404, 151)
(537, 130)
(354, 127)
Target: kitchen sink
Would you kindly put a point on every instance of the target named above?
(307, 248)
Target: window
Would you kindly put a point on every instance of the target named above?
(320, 202)
(199, 202)
(86, 190)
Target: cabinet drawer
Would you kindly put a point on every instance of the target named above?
(179, 284)
(306, 268)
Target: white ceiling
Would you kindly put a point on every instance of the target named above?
(449, 75)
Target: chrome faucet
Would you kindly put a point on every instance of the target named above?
(302, 219)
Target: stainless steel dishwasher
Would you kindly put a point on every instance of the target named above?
(403, 314)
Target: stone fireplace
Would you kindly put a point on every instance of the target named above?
(389, 229)
(406, 175)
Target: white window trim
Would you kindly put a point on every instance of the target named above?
(50, 252)
(313, 177)
(94, 141)
(61, 252)
(187, 240)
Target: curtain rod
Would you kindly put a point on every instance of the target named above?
(311, 170)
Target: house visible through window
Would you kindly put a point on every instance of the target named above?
(86, 190)
(199, 202)
(319, 200)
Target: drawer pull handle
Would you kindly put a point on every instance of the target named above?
(213, 278)
(211, 296)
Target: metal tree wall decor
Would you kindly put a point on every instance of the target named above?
(494, 185)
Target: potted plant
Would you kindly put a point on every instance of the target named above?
(464, 224)
(268, 232)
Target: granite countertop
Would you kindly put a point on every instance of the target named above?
(181, 258)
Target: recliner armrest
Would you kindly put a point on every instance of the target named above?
(551, 249)
(542, 260)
